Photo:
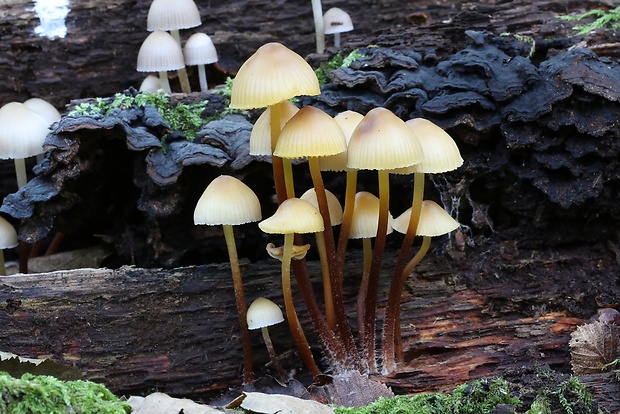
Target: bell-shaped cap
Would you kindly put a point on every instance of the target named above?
(8, 235)
(336, 20)
(434, 221)
(347, 120)
(227, 200)
(150, 84)
(440, 151)
(365, 219)
(262, 313)
(199, 50)
(333, 205)
(43, 108)
(293, 216)
(382, 141)
(310, 133)
(172, 15)
(273, 74)
(260, 138)
(22, 131)
(160, 52)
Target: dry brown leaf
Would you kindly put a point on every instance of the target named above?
(594, 345)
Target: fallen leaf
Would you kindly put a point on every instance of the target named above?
(160, 403)
(282, 404)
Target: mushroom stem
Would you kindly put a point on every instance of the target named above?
(363, 291)
(20, 172)
(347, 216)
(241, 305)
(272, 354)
(276, 162)
(202, 78)
(296, 330)
(327, 285)
(317, 13)
(337, 40)
(369, 339)
(340, 322)
(183, 79)
(163, 80)
(2, 264)
(391, 330)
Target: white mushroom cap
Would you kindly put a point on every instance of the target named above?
(22, 131)
(333, 205)
(434, 220)
(151, 84)
(262, 313)
(199, 50)
(365, 220)
(336, 20)
(260, 138)
(160, 52)
(43, 108)
(8, 235)
(172, 15)
(227, 200)
(294, 215)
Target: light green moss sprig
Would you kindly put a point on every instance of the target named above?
(45, 394)
(338, 61)
(187, 118)
(605, 19)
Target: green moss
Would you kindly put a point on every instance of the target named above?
(604, 19)
(338, 61)
(187, 118)
(44, 395)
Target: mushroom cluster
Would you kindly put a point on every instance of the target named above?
(349, 142)
(162, 50)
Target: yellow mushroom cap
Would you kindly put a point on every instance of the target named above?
(273, 74)
(8, 235)
(43, 108)
(434, 221)
(227, 200)
(22, 131)
(310, 133)
(333, 205)
(172, 15)
(382, 141)
(199, 50)
(260, 138)
(160, 52)
(262, 313)
(365, 218)
(440, 151)
(293, 216)
(347, 120)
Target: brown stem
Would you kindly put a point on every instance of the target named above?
(272, 354)
(363, 291)
(248, 375)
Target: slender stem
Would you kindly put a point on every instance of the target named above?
(272, 354)
(183, 79)
(248, 375)
(296, 330)
(164, 82)
(2, 264)
(369, 338)
(277, 162)
(20, 172)
(288, 177)
(345, 226)
(392, 312)
(363, 292)
(317, 13)
(327, 285)
(202, 78)
(337, 40)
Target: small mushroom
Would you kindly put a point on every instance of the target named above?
(262, 314)
(160, 53)
(150, 84)
(8, 240)
(336, 21)
(199, 51)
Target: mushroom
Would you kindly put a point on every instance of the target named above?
(294, 216)
(364, 224)
(8, 240)
(22, 133)
(336, 21)
(335, 218)
(441, 154)
(200, 51)
(150, 84)
(43, 108)
(173, 15)
(382, 142)
(160, 53)
(227, 201)
(317, 15)
(262, 314)
(273, 74)
(260, 137)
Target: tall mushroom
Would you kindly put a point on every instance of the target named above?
(294, 216)
(200, 51)
(173, 15)
(382, 142)
(441, 154)
(336, 21)
(160, 53)
(228, 202)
